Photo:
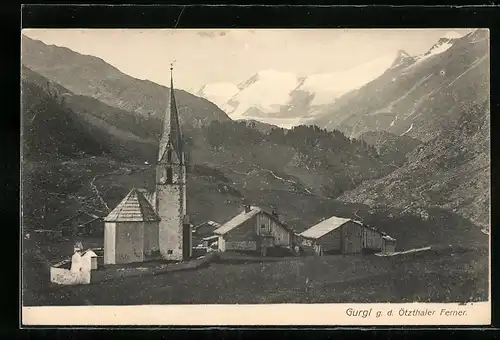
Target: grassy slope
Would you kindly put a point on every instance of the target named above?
(208, 199)
(441, 275)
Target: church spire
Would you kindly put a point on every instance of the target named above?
(171, 134)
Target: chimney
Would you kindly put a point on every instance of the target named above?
(275, 213)
(247, 208)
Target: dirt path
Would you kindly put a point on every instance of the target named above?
(96, 190)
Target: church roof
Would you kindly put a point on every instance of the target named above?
(149, 195)
(171, 127)
(133, 208)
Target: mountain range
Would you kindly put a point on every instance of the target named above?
(230, 161)
(300, 170)
(442, 100)
(286, 99)
(283, 98)
(92, 77)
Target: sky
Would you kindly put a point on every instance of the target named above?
(212, 56)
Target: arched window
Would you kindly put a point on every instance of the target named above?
(169, 176)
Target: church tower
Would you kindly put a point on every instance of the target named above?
(174, 236)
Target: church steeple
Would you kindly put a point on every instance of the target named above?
(171, 138)
(171, 181)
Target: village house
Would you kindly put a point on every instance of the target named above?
(131, 230)
(206, 229)
(254, 230)
(346, 236)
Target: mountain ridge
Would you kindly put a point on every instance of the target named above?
(298, 96)
(92, 77)
(416, 99)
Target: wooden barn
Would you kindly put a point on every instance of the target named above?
(206, 229)
(131, 230)
(254, 230)
(346, 236)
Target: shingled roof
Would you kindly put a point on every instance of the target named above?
(133, 208)
(237, 220)
(244, 216)
(171, 135)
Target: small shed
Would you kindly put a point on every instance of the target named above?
(206, 228)
(344, 235)
(131, 230)
(388, 244)
(254, 230)
(208, 241)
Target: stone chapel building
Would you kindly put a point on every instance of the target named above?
(168, 201)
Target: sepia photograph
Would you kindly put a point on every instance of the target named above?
(254, 167)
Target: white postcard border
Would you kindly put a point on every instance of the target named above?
(386, 314)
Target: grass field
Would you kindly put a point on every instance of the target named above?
(440, 275)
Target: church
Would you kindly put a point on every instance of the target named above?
(146, 223)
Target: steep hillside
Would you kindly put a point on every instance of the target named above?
(92, 77)
(421, 96)
(122, 134)
(392, 149)
(451, 171)
(304, 159)
(66, 146)
(50, 130)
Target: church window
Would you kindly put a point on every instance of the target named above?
(169, 155)
(169, 176)
(163, 176)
